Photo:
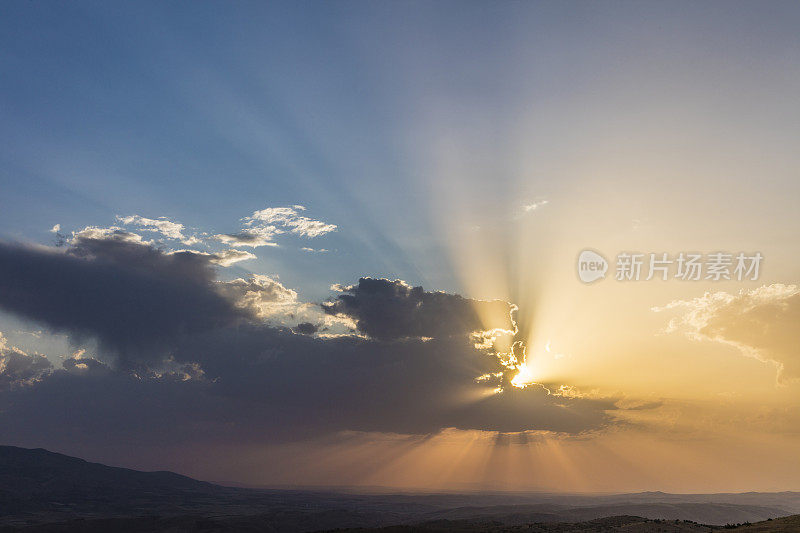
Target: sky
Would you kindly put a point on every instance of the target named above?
(337, 243)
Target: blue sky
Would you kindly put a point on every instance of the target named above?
(204, 113)
(195, 115)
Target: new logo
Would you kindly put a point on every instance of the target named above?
(591, 266)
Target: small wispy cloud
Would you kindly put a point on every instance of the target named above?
(167, 228)
(261, 228)
(290, 219)
(538, 204)
(252, 237)
(115, 233)
(224, 258)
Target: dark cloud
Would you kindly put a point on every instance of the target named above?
(385, 309)
(305, 328)
(134, 299)
(199, 367)
(409, 386)
(264, 384)
(85, 365)
(18, 368)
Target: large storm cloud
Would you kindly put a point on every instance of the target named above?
(385, 309)
(184, 356)
(134, 299)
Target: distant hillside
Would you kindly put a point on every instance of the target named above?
(45, 491)
(39, 485)
(705, 513)
(29, 473)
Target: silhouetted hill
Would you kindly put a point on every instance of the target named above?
(787, 524)
(34, 472)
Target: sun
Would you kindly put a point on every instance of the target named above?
(525, 376)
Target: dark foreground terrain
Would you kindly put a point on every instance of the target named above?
(621, 524)
(41, 491)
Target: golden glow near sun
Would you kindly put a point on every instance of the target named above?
(525, 371)
(524, 377)
(514, 357)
